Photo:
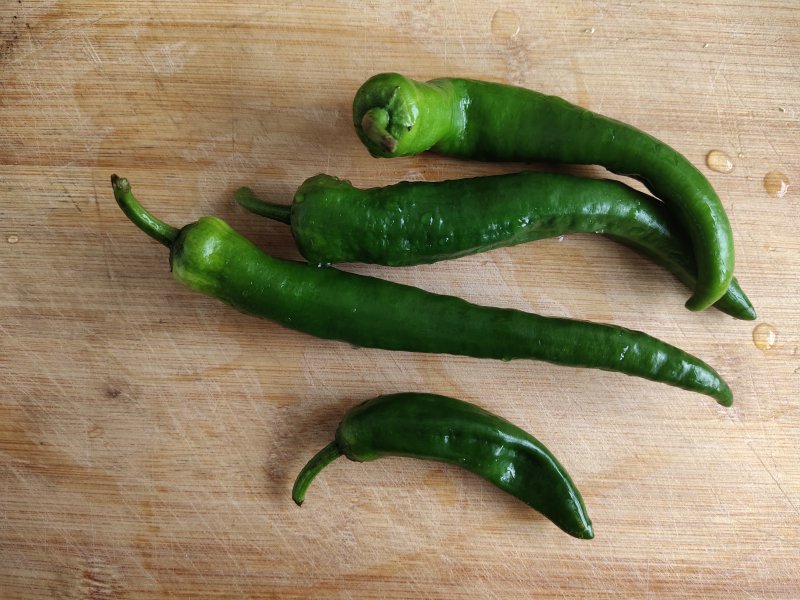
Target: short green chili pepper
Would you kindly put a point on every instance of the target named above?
(396, 116)
(419, 222)
(210, 257)
(443, 429)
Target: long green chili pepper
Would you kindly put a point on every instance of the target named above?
(443, 429)
(210, 257)
(420, 222)
(396, 116)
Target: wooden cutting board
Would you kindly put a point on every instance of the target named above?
(149, 436)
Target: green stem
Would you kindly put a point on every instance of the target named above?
(248, 200)
(320, 460)
(374, 123)
(155, 228)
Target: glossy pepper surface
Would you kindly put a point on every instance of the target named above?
(396, 116)
(444, 429)
(210, 257)
(418, 222)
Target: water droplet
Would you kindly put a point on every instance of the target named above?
(505, 24)
(781, 109)
(561, 238)
(718, 161)
(776, 184)
(426, 219)
(706, 45)
(589, 30)
(12, 239)
(764, 336)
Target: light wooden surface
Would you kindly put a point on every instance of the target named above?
(149, 436)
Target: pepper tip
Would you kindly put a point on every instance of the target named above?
(748, 314)
(120, 184)
(242, 194)
(725, 396)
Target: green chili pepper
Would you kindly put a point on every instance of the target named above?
(447, 430)
(396, 116)
(210, 257)
(420, 222)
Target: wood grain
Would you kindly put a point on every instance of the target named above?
(149, 436)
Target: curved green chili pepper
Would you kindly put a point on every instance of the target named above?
(396, 116)
(452, 431)
(210, 257)
(418, 222)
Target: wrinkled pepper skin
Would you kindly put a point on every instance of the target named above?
(443, 429)
(210, 257)
(420, 222)
(396, 116)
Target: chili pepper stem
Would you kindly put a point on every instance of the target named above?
(374, 123)
(320, 460)
(155, 228)
(249, 201)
